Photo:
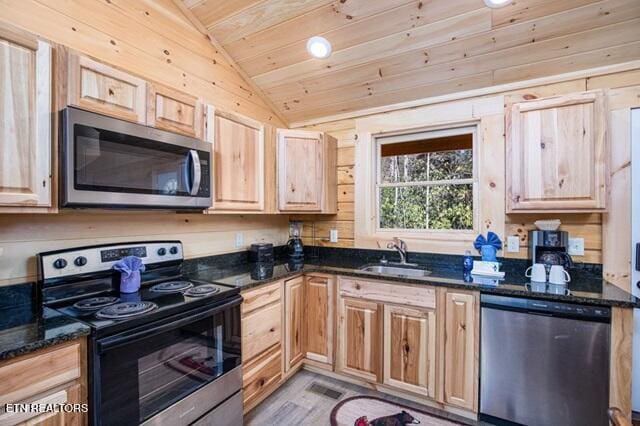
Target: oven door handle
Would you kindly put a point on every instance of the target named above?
(122, 339)
(193, 160)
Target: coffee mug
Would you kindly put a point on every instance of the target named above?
(538, 273)
(558, 275)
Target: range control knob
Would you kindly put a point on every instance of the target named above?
(80, 261)
(162, 251)
(59, 263)
(173, 250)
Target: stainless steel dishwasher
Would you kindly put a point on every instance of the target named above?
(543, 363)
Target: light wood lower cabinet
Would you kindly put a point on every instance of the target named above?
(55, 375)
(319, 313)
(261, 374)
(416, 341)
(262, 362)
(294, 322)
(360, 338)
(410, 349)
(460, 340)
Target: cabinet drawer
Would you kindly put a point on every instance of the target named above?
(261, 330)
(31, 375)
(261, 374)
(424, 297)
(263, 296)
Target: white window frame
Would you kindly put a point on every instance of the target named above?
(427, 134)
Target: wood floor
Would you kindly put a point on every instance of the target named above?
(296, 402)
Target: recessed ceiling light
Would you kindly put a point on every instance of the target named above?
(494, 4)
(319, 47)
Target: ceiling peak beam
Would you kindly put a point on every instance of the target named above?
(202, 29)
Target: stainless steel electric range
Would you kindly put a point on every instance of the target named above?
(168, 354)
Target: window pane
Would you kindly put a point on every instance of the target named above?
(450, 207)
(447, 165)
(403, 208)
(438, 207)
(442, 165)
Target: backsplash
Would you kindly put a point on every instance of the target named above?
(23, 236)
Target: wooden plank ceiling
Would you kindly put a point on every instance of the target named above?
(392, 51)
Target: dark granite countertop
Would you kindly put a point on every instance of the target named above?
(25, 328)
(586, 286)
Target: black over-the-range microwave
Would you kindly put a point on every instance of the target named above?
(109, 163)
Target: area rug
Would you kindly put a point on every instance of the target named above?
(373, 411)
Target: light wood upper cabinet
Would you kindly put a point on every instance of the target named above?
(460, 342)
(307, 173)
(557, 155)
(25, 121)
(238, 161)
(175, 111)
(360, 339)
(410, 349)
(294, 322)
(98, 87)
(319, 312)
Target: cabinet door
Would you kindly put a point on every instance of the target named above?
(25, 120)
(294, 322)
(300, 171)
(410, 349)
(460, 349)
(238, 161)
(172, 110)
(557, 154)
(319, 313)
(360, 337)
(70, 394)
(98, 87)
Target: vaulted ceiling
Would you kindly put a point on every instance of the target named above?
(391, 51)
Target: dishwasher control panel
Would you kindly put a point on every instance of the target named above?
(548, 307)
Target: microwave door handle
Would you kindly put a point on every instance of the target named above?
(197, 172)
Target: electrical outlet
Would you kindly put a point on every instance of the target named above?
(576, 246)
(333, 236)
(239, 239)
(513, 244)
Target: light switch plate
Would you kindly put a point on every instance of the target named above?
(513, 244)
(239, 239)
(576, 247)
(333, 236)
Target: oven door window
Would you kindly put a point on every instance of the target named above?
(144, 377)
(113, 162)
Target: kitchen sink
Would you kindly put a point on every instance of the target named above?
(404, 271)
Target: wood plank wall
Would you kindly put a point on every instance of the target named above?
(150, 38)
(22, 236)
(587, 226)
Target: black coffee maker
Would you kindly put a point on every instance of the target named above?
(550, 248)
(294, 245)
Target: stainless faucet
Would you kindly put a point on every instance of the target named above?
(401, 247)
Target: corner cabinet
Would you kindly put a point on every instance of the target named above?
(238, 157)
(319, 311)
(307, 173)
(25, 122)
(294, 302)
(557, 154)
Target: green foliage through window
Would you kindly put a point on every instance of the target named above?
(426, 190)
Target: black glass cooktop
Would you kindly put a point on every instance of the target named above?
(141, 307)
